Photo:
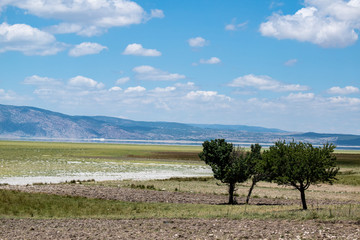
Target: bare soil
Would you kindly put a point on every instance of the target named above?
(168, 228)
(175, 229)
(140, 195)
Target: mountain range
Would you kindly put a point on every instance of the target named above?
(23, 122)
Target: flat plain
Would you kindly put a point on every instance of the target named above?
(178, 207)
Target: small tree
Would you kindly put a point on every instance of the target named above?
(259, 168)
(301, 164)
(226, 162)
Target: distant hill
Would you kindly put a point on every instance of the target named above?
(239, 128)
(339, 139)
(17, 122)
(22, 121)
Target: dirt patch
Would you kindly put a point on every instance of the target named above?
(139, 195)
(175, 229)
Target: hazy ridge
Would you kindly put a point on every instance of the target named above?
(30, 122)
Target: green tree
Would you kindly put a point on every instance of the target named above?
(259, 168)
(301, 164)
(226, 162)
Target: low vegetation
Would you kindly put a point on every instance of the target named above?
(326, 202)
(37, 205)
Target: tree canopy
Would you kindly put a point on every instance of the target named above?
(301, 164)
(258, 168)
(226, 162)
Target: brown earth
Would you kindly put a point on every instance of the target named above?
(140, 195)
(168, 228)
(175, 229)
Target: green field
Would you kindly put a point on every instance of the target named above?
(72, 160)
(69, 161)
(29, 159)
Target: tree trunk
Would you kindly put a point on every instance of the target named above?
(302, 192)
(250, 190)
(231, 193)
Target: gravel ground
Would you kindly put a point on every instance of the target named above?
(176, 229)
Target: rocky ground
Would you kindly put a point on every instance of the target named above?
(168, 228)
(176, 229)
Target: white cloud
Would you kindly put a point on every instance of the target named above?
(213, 60)
(10, 96)
(122, 80)
(265, 83)
(345, 101)
(63, 28)
(146, 72)
(157, 13)
(87, 17)
(233, 26)
(343, 91)
(300, 96)
(115, 89)
(137, 49)
(86, 48)
(28, 40)
(290, 62)
(137, 89)
(206, 96)
(164, 90)
(185, 102)
(188, 85)
(327, 23)
(84, 82)
(197, 42)
(41, 81)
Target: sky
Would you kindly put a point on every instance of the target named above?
(292, 65)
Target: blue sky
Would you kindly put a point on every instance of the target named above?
(292, 65)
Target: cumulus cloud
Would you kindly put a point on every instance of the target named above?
(343, 91)
(265, 83)
(86, 48)
(345, 101)
(28, 40)
(115, 89)
(327, 23)
(84, 82)
(81, 94)
(206, 96)
(86, 17)
(146, 72)
(213, 60)
(197, 42)
(138, 50)
(137, 89)
(300, 96)
(122, 80)
(164, 90)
